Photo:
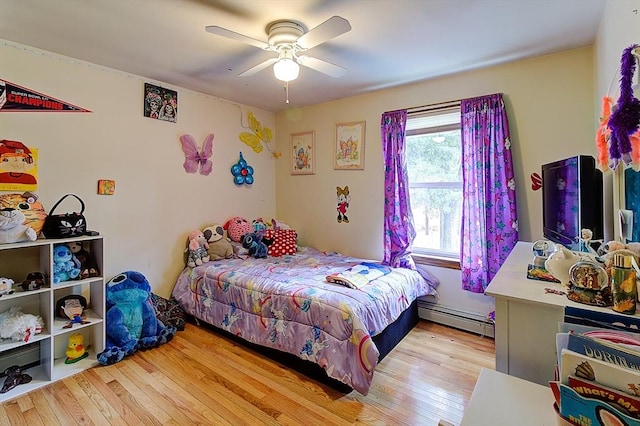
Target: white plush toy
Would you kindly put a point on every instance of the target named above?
(12, 228)
(18, 326)
(6, 286)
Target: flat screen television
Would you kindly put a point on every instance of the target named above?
(572, 200)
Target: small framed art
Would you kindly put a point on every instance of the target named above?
(303, 153)
(349, 146)
(160, 103)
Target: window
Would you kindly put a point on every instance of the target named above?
(434, 153)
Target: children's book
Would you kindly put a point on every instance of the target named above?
(625, 403)
(614, 376)
(582, 410)
(604, 350)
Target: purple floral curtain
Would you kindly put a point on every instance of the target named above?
(399, 231)
(489, 215)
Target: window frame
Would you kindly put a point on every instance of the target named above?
(431, 258)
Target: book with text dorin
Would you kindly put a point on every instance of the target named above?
(621, 378)
(604, 350)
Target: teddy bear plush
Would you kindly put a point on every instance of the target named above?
(197, 249)
(219, 246)
(65, 265)
(88, 265)
(12, 228)
(131, 322)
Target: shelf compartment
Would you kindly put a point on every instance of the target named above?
(59, 323)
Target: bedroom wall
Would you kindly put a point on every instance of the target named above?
(156, 203)
(550, 105)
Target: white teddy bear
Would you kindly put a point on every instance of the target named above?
(12, 229)
(18, 326)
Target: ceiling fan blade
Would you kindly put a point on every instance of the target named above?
(322, 66)
(214, 29)
(259, 67)
(329, 29)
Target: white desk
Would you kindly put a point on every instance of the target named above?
(502, 400)
(527, 319)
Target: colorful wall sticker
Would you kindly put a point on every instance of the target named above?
(242, 172)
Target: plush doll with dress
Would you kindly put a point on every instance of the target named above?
(131, 322)
(197, 249)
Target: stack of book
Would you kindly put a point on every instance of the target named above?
(598, 372)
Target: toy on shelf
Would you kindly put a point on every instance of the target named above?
(12, 228)
(15, 377)
(6, 286)
(88, 265)
(72, 307)
(65, 265)
(75, 349)
(34, 281)
(18, 326)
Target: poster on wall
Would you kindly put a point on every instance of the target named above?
(18, 166)
(15, 98)
(160, 103)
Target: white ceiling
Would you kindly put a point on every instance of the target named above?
(392, 42)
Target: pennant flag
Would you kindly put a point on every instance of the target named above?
(14, 98)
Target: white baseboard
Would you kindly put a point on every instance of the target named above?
(468, 321)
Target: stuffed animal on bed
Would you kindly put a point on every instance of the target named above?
(219, 246)
(131, 322)
(257, 246)
(236, 227)
(197, 249)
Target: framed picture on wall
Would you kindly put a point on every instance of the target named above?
(160, 103)
(303, 153)
(349, 146)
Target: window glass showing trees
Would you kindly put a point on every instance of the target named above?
(435, 182)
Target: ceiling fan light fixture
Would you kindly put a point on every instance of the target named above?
(286, 69)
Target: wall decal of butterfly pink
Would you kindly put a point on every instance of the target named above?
(194, 159)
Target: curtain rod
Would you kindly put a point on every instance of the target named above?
(432, 107)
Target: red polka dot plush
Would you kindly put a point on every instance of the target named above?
(236, 227)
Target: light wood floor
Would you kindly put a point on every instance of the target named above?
(202, 378)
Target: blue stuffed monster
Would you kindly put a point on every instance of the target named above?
(131, 321)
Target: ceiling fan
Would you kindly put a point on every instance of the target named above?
(288, 39)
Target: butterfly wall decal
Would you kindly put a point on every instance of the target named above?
(194, 159)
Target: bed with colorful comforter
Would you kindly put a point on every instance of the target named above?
(286, 303)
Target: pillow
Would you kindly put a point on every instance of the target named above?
(284, 241)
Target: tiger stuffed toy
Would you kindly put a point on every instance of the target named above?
(29, 205)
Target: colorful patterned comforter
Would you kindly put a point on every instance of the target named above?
(285, 303)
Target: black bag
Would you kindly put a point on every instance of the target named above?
(65, 225)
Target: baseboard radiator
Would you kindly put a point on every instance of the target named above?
(468, 321)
